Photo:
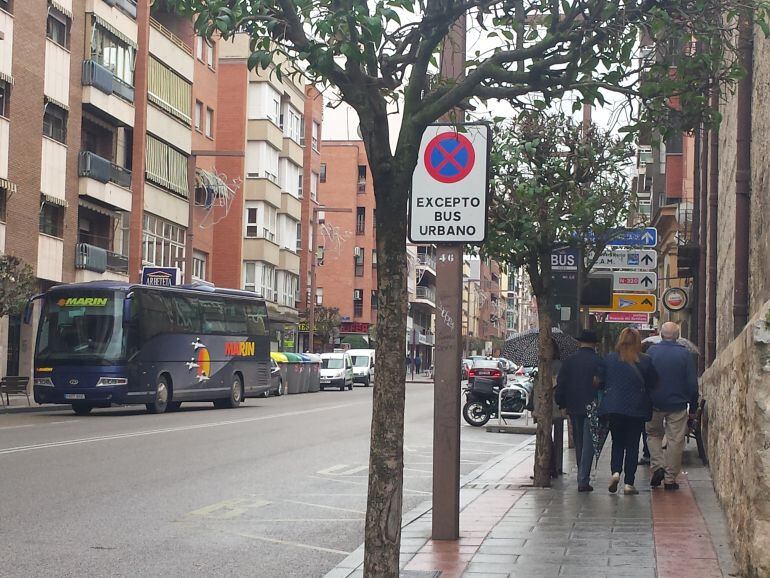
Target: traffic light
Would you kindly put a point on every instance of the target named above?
(687, 261)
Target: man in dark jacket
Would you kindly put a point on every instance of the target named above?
(574, 391)
(677, 387)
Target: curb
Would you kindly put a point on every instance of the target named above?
(348, 565)
(32, 409)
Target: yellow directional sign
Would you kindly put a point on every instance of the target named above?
(631, 302)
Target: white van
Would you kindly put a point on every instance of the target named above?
(336, 371)
(363, 366)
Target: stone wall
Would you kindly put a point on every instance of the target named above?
(737, 390)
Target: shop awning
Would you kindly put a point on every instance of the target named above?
(8, 186)
(7, 78)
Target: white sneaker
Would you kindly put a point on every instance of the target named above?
(630, 490)
(614, 481)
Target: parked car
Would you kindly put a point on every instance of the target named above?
(363, 366)
(276, 380)
(489, 370)
(465, 367)
(336, 370)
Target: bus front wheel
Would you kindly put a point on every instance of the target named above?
(162, 395)
(82, 408)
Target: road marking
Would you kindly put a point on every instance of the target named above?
(339, 470)
(339, 481)
(324, 506)
(39, 424)
(295, 544)
(73, 442)
(228, 509)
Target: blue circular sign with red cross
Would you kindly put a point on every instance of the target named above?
(449, 157)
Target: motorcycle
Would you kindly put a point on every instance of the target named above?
(482, 400)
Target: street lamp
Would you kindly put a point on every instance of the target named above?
(313, 259)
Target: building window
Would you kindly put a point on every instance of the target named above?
(361, 179)
(375, 302)
(316, 132)
(262, 161)
(113, 53)
(302, 132)
(299, 237)
(319, 255)
(51, 219)
(314, 186)
(319, 296)
(199, 47)
(3, 203)
(252, 222)
(169, 91)
(360, 220)
(287, 288)
(166, 167)
(374, 258)
(200, 260)
(57, 28)
(300, 191)
(358, 261)
(55, 122)
(292, 122)
(259, 277)
(163, 242)
(198, 114)
(5, 98)
(210, 51)
(322, 174)
(7, 5)
(209, 122)
(358, 302)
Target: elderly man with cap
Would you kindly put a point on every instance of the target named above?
(677, 387)
(574, 391)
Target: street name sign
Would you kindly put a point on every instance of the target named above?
(647, 237)
(634, 281)
(620, 317)
(631, 303)
(448, 200)
(641, 259)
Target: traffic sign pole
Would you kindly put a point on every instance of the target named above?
(448, 349)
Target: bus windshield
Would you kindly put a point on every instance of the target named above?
(81, 326)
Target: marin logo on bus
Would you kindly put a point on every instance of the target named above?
(240, 348)
(83, 301)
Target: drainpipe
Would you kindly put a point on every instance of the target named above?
(696, 329)
(713, 224)
(702, 178)
(743, 176)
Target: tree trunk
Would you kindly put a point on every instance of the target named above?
(386, 458)
(541, 286)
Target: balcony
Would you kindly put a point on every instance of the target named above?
(171, 50)
(95, 167)
(106, 93)
(99, 260)
(5, 135)
(426, 296)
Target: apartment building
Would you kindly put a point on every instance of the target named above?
(487, 304)
(346, 243)
(420, 337)
(257, 244)
(99, 121)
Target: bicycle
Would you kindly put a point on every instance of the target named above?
(696, 429)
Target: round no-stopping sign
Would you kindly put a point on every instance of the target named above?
(675, 299)
(449, 157)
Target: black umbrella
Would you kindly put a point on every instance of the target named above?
(599, 427)
(523, 348)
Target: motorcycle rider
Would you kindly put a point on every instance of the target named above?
(574, 391)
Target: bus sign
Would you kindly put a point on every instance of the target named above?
(161, 276)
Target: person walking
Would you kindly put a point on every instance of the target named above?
(678, 388)
(574, 391)
(417, 364)
(626, 376)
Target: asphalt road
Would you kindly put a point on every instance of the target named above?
(274, 488)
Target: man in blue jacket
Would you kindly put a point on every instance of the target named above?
(574, 391)
(678, 387)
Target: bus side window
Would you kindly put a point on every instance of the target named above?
(213, 316)
(256, 314)
(235, 316)
(157, 315)
(186, 315)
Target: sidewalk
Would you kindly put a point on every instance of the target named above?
(509, 528)
(421, 377)
(19, 405)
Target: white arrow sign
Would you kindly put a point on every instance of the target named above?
(634, 281)
(644, 259)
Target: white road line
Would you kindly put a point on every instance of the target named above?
(347, 481)
(260, 520)
(39, 424)
(73, 442)
(324, 506)
(295, 544)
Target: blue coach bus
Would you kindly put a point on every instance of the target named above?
(103, 343)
